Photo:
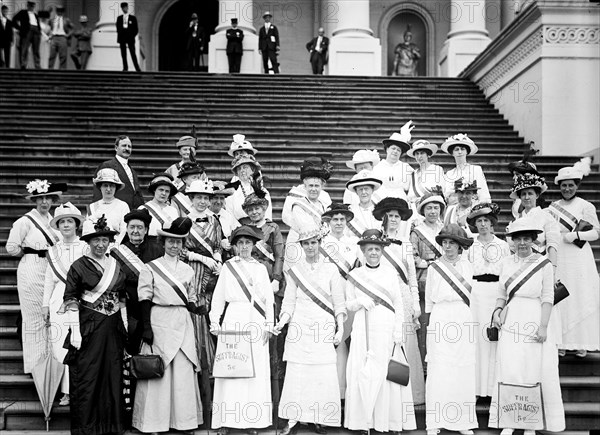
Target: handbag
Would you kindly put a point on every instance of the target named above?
(398, 372)
(521, 406)
(492, 331)
(147, 366)
(582, 225)
(560, 292)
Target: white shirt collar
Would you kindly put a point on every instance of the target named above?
(122, 161)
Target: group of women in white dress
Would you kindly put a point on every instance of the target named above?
(409, 269)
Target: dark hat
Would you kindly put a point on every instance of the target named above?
(30, 3)
(373, 237)
(37, 188)
(187, 141)
(178, 228)
(317, 167)
(100, 228)
(338, 208)
(244, 231)
(244, 159)
(456, 233)
(487, 209)
(402, 139)
(391, 203)
(190, 169)
(223, 188)
(461, 185)
(60, 9)
(124, 4)
(164, 179)
(234, 21)
(254, 199)
(528, 181)
(522, 167)
(141, 214)
(44, 14)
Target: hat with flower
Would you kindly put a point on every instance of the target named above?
(402, 139)
(462, 185)
(37, 188)
(200, 187)
(316, 167)
(487, 209)
(459, 139)
(373, 236)
(575, 172)
(528, 181)
(100, 228)
(241, 144)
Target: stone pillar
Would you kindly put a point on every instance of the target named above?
(106, 54)
(244, 11)
(467, 37)
(353, 50)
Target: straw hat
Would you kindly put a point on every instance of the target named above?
(241, 160)
(434, 195)
(164, 179)
(363, 156)
(523, 226)
(186, 141)
(422, 145)
(66, 210)
(364, 178)
(108, 175)
(240, 143)
(200, 187)
(459, 139)
(310, 234)
(575, 172)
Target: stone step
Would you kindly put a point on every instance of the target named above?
(8, 315)
(8, 293)
(9, 338)
(11, 361)
(580, 388)
(570, 365)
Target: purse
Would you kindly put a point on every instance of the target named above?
(147, 366)
(582, 225)
(492, 331)
(560, 292)
(398, 372)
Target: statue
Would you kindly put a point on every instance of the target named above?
(406, 57)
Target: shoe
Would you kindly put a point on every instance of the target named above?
(223, 431)
(364, 432)
(252, 432)
(562, 352)
(466, 432)
(64, 400)
(582, 353)
(75, 61)
(433, 431)
(287, 430)
(320, 429)
(528, 432)
(506, 432)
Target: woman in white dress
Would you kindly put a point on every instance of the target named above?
(427, 175)
(363, 184)
(457, 214)
(580, 312)
(67, 219)
(162, 188)
(245, 287)
(247, 170)
(485, 255)
(114, 210)
(527, 347)
(363, 160)
(29, 238)
(374, 292)
(315, 308)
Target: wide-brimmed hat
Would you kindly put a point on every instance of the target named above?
(488, 209)
(37, 188)
(164, 179)
(200, 187)
(100, 228)
(434, 195)
(186, 141)
(527, 181)
(108, 175)
(364, 178)
(222, 188)
(191, 168)
(456, 233)
(462, 185)
(141, 214)
(402, 139)
(363, 156)
(240, 143)
(422, 145)
(576, 172)
(244, 159)
(316, 167)
(525, 225)
(389, 204)
(373, 236)
(256, 198)
(244, 231)
(459, 139)
(338, 208)
(310, 234)
(177, 228)
(63, 211)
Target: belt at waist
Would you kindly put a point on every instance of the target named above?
(486, 277)
(38, 252)
(57, 36)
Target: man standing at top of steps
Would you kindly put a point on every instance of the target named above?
(127, 30)
(62, 28)
(27, 23)
(317, 48)
(131, 192)
(6, 38)
(235, 48)
(268, 44)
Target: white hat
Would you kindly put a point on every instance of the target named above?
(523, 225)
(575, 172)
(267, 13)
(460, 139)
(108, 175)
(240, 143)
(364, 178)
(66, 210)
(201, 186)
(363, 156)
(422, 144)
(401, 139)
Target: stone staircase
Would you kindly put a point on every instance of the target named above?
(60, 125)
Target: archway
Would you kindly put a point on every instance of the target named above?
(396, 29)
(172, 55)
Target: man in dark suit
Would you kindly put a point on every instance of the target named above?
(268, 44)
(131, 192)
(318, 51)
(195, 43)
(235, 48)
(27, 23)
(6, 38)
(127, 30)
(62, 28)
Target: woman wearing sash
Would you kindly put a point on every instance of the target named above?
(247, 169)
(94, 303)
(189, 173)
(315, 307)
(67, 219)
(162, 189)
(363, 185)
(457, 213)
(373, 292)
(580, 312)
(527, 347)
(485, 255)
(460, 146)
(108, 182)
(362, 160)
(450, 385)
(516, 168)
(398, 255)
(166, 293)
(245, 287)
(427, 175)
(305, 204)
(29, 238)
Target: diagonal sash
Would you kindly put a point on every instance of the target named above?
(566, 219)
(196, 236)
(356, 228)
(315, 293)
(55, 264)
(50, 237)
(376, 292)
(127, 258)
(336, 258)
(375, 197)
(417, 186)
(396, 262)
(108, 280)
(184, 205)
(455, 280)
(429, 242)
(264, 249)
(155, 212)
(238, 272)
(316, 215)
(525, 272)
(168, 277)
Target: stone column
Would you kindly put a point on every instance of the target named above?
(353, 50)
(245, 12)
(106, 54)
(467, 37)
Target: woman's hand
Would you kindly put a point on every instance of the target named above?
(215, 328)
(275, 286)
(46, 315)
(225, 244)
(337, 338)
(183, 254)
(365, 302)
(542, 334)
(570, 237)
(76, 337)
(496, 318)
(266, 335)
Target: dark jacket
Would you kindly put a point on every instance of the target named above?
(21, 22)
(127, 35)
(265, 40)
(132, 195)
(6, 34)
(312, 47)
(234, 41)
(194, 41)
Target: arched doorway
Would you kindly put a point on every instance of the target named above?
(172, 55)
(395, 35)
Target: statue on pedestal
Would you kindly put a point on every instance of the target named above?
(406, 56)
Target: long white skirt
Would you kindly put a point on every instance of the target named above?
(58, 331)
(483, 302)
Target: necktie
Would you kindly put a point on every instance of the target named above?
(129, 173)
